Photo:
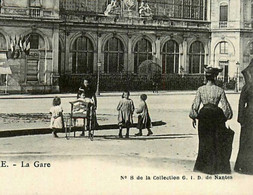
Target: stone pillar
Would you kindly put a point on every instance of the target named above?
(208, 9)
(130, 55)
(55, 45)
(68, 57)
(158, 51)
(100, 55)
(185, 61)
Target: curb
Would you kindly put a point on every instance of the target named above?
(39, 131)
(162, 93)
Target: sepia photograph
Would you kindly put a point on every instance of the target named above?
(126, 97)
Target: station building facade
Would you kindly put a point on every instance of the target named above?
(46, 41)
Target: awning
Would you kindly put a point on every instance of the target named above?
(5, 70)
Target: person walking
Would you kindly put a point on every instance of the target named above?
(125, 113)
(244, 161)
(213, 151)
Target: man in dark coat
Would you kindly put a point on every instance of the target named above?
(88, 93)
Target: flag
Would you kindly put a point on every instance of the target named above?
(20, 43)
(28, 46)
(15, 40)
(11, 44)
(27, 50)
(24, 45)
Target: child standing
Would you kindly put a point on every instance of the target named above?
(56, 116)
(126, 110)
(144, 120)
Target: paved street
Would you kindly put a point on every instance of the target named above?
(89, 166)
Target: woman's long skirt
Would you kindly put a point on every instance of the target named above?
(244, 161)
(215, 141)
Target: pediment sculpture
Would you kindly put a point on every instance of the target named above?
(145, 10)
(112, 8)
(130, 4)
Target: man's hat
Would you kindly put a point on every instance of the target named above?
(212, 71)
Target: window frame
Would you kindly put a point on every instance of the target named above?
(201, 58)
(175, 54)
(120, 56)
(76, 52)
(137, 54)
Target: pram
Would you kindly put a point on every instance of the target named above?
(80, 109)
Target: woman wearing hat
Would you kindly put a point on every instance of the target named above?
(244, 161)
(211, 127)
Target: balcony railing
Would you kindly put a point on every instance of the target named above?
(35, 12)
(223, 24)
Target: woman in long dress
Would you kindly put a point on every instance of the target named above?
(212, 152)
(244, 161)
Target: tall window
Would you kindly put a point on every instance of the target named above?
(170, 57)
(142, 52)
(114, 56)
(61, 56)
(35, 41)
(251, 48)
(223, 47)
(173, 8)
(251, 9)
(197, 9)
(82, 55)
(223, 15)
(197, 57)
(2, 43)
(35, 44)
(187, 8)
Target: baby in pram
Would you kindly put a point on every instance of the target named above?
(86, 95)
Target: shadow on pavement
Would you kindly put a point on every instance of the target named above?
(115, 126)
(35, 131)
(143, 138)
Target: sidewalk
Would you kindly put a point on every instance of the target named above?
(26, 114)
(102, 94)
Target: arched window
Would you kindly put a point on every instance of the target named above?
(2, 43)
(82, 55)
(142, 52)
(114, 56)
(34, 45)
(197, 57)
(61, 56)
(251, 9)
(170, 57)
(251, 48)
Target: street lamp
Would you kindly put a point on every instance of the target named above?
(99, 65)
(237, 77)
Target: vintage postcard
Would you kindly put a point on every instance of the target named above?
(126, 97)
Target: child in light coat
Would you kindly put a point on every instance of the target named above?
(125, 115)
(56, 112)
(144, 120)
